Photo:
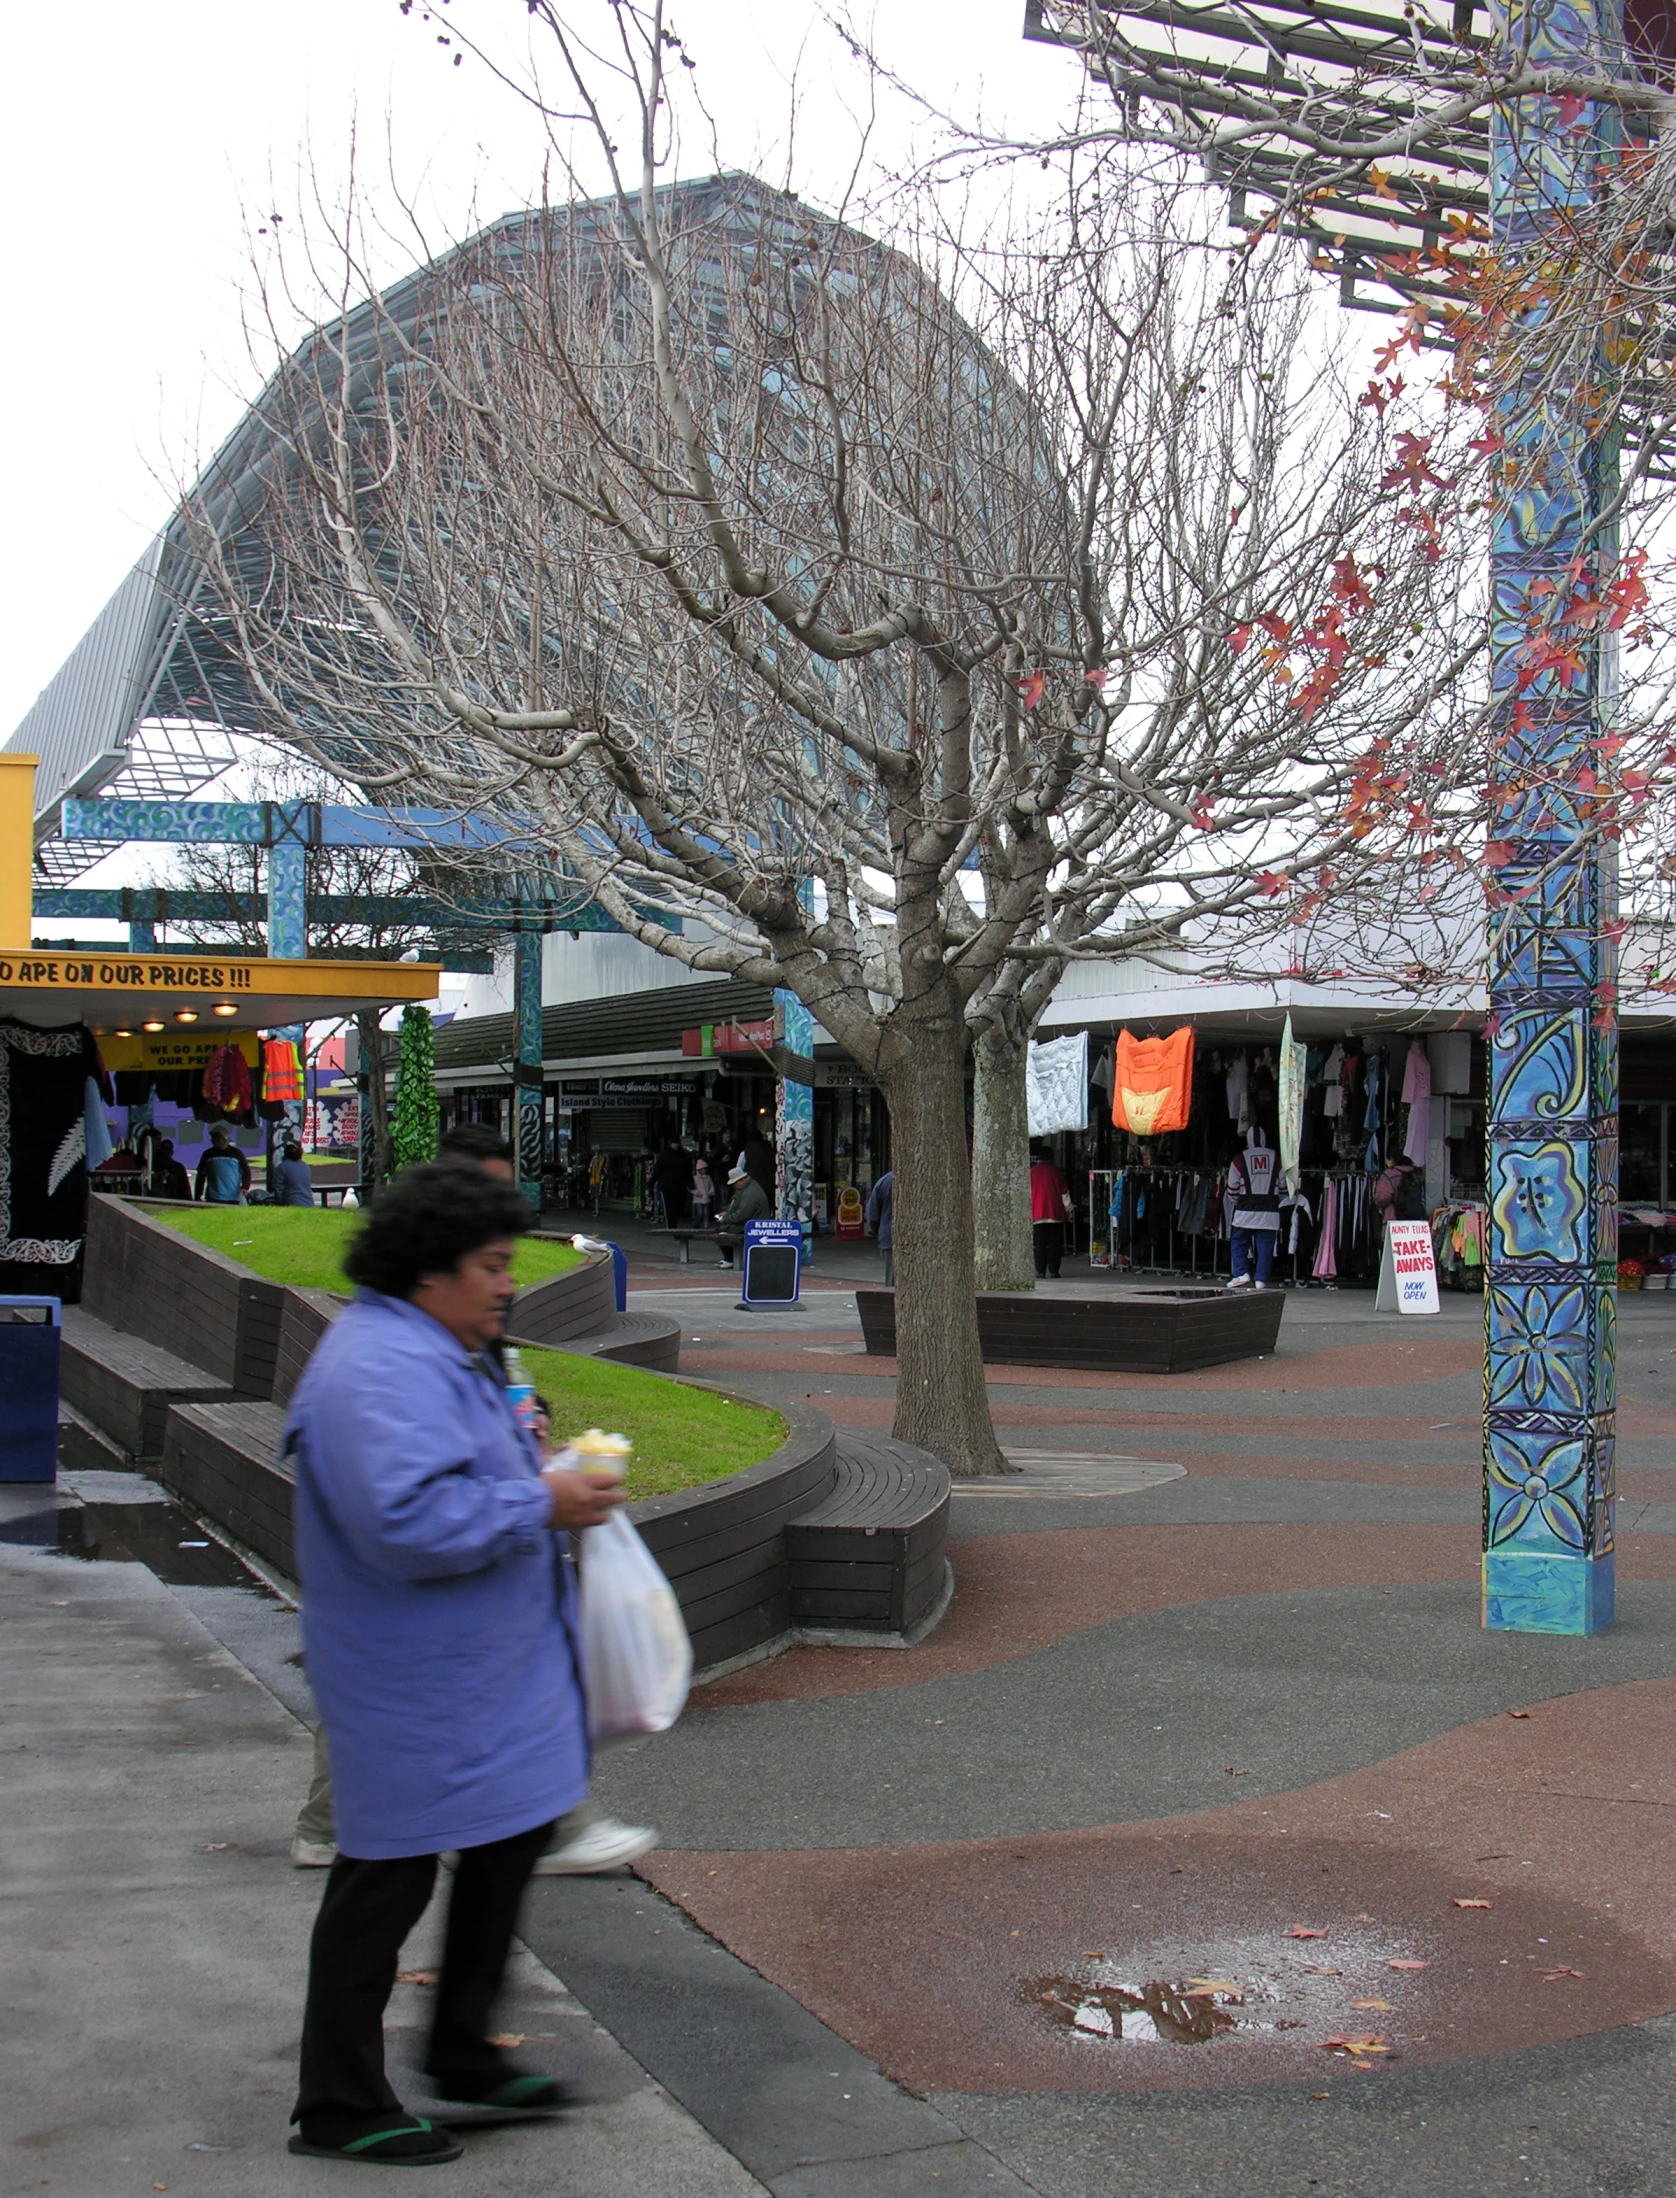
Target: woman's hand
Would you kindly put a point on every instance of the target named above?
(580, 1499)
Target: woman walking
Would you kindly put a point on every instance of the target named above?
(439, 1630)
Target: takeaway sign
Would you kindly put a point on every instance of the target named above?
(1407, 1270)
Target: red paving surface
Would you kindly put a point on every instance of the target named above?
(930, 1958)
(922, 1956)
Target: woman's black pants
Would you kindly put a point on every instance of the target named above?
(1049, 1238)
(365, 1916)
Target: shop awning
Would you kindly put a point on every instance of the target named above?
(117, 992)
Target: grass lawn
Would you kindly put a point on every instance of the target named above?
(304, 1245)
(682, 1437)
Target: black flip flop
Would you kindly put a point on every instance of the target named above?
(396, 2150)
(515, 2099)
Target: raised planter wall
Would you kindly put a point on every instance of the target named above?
(723, 1548)
(143, 1276)
(580, 1302)
(1161, 1331)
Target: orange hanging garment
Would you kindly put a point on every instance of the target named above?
(282, 1072)
(1152, 1082)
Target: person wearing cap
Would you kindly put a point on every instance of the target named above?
(747, 1201)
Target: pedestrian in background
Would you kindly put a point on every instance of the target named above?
(673, 1173)
(292, 1183)
(747, 1201)
(223, 1177)
(878, 1221)
(704, 1193)
(1050, 1209)
(439, 1627)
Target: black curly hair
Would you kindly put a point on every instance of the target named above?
(425, 1223)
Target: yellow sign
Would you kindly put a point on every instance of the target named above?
(17, 849)
(26, 969)
(187, 1049)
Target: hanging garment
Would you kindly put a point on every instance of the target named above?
(1100, 1077)
(43, 1157)
(1332, 1071)
(1056, 1084)
(1291, 1105)
(1417, 1097)
(1154, 1083)
(96, 1134)
(282, 1072)
(1252, 1177)
(1239, 1090)
(1375, 1078)
(227, 1081)
(1326, 1268)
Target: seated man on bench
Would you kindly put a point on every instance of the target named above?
(748, 1202)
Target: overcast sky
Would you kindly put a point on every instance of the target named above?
(137, 141)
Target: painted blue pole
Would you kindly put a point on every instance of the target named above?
(526, 951)
(1551, 1280)
(794, 1118)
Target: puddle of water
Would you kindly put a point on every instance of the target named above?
(159, 1535)
(1157, 2013)
(1246, 1987)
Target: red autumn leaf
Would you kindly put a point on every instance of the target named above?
(1031, 690)
(1497, 852)
(1408, 1965)
(1238, 639)
(1302, 1931)
(1412, 469)
(1272, 882)
(1474, 1903)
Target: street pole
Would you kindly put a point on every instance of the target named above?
(794, 1116)
(1551, 1278)
(527, 1085)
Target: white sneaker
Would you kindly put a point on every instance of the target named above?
(606, 1845)
(312, 1854)
(1240, 1282)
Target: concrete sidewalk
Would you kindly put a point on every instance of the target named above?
(153, 1935)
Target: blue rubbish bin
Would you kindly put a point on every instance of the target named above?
(619, 1274)
(29, 1388)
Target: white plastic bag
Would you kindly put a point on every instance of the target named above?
(635, 1650)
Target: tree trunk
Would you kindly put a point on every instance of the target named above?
(375, 1098)
(1005, 1255)
(941, 1402)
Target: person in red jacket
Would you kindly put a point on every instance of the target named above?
(1050, 1209)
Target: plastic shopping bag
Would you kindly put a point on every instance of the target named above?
(635, 1650)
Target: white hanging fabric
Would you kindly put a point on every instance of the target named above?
(1056, 1085)
(1291, 1099)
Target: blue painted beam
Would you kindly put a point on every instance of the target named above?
(269, 823)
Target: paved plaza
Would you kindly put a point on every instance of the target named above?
(1211, 1707)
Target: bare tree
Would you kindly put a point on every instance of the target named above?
(908, 653)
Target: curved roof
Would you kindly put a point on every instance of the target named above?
(148, 702)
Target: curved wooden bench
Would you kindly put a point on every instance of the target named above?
(648, 1340)
(871, 1557)
(580, 1302)
(1149, 1331)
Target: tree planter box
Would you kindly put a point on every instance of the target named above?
(1161, 1331)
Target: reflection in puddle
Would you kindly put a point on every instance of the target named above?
(1159, 2013)
(161, 1536)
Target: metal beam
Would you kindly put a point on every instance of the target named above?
(152, 905)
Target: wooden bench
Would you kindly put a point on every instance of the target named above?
(872, 1556)
(1149, 1331)
(125, 1385)
(684, 1237)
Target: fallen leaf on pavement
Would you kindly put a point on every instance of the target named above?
(1371, 2007)
(1518, 1713)
(1092, 1954)
(508, 2038)
(1553, 1976)
(1408, 1965)
(215, 1847)
(416, 1976)
(1475, 1904)
(1302, 1931)
(1354, 2044)
(1201, 1987)
(1232, 1773)
(1310, 1970)
(1320, 2094)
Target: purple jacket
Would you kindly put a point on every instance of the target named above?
(438, 1609)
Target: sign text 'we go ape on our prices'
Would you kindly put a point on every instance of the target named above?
(126, 972)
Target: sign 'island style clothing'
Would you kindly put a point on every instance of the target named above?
(439, 1614)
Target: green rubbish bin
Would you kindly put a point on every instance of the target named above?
(29, 1337)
